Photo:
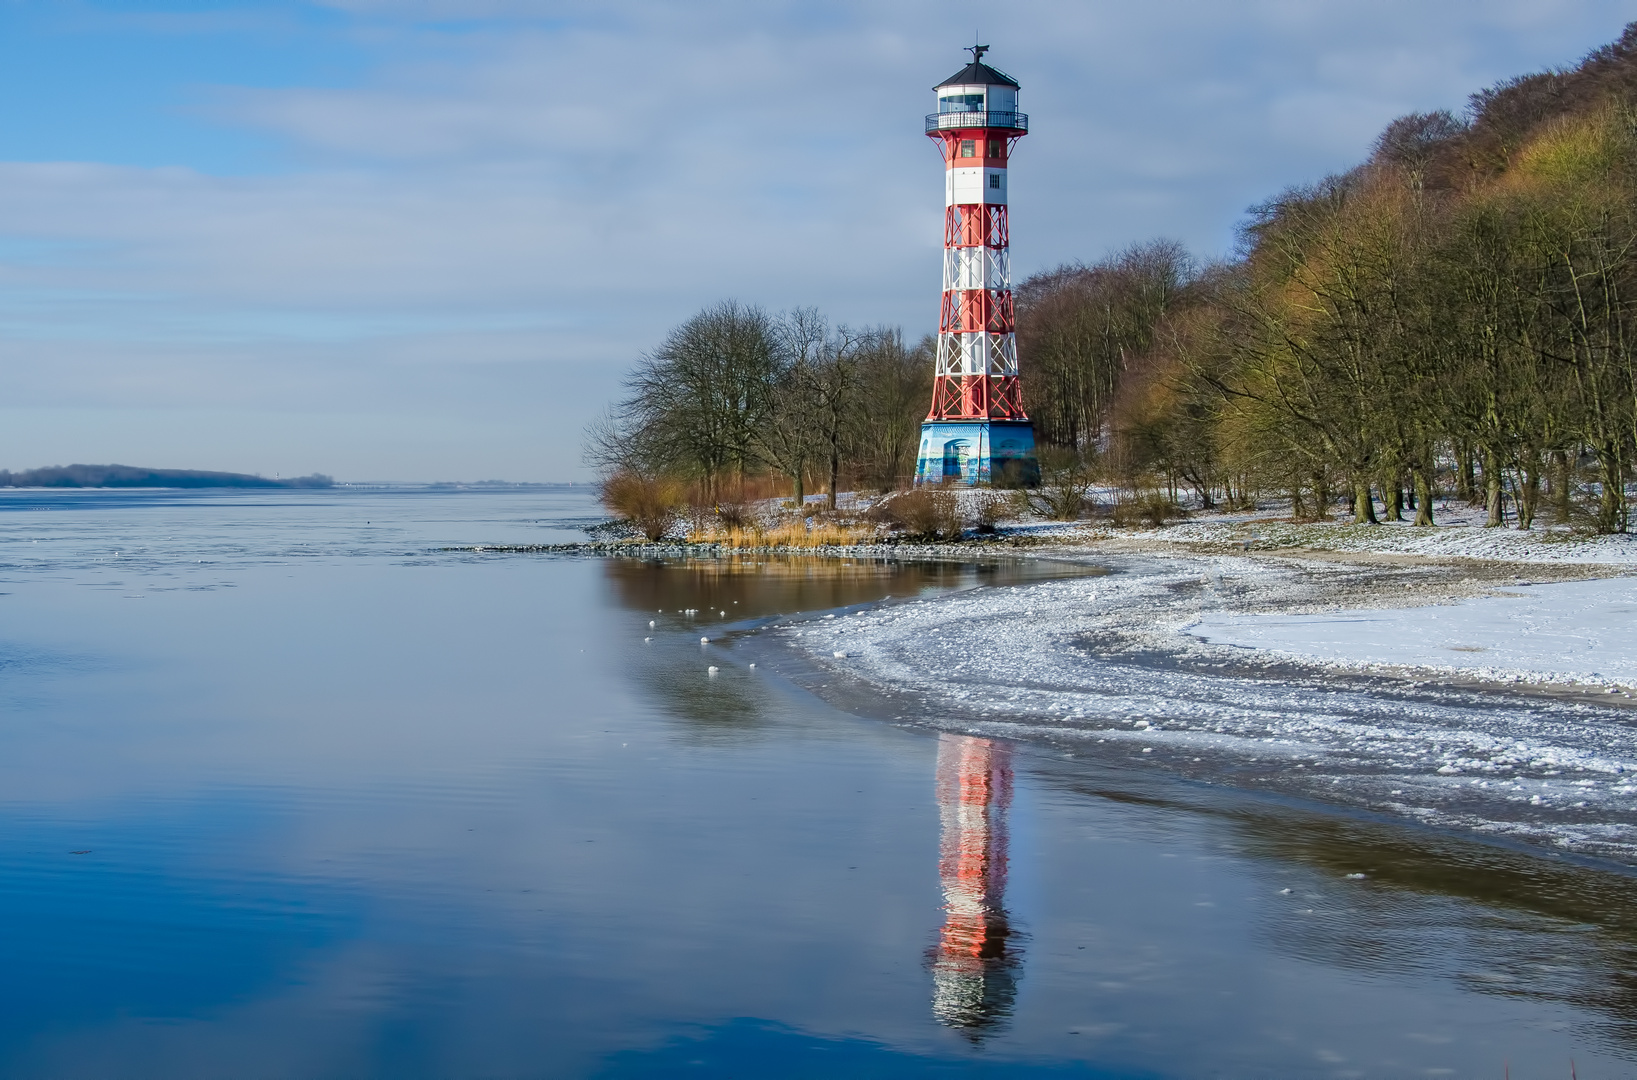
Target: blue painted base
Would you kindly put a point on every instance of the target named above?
(978, 452)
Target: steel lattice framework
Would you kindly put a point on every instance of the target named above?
(976, 377)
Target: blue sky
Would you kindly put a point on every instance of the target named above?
(422, 239)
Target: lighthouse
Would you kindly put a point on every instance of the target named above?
(977, 431)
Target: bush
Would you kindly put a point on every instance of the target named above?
(925, 514)
(989, 515)
(1152, 510)
(1060, 502)
(1066, 480)
(994, 506)
(735, 515)
(648, 503)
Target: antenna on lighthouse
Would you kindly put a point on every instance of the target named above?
(977, 51)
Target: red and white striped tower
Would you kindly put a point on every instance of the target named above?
(977, 431)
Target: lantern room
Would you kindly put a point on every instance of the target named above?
(978, 96)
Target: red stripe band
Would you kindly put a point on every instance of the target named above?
(975, 226)
(970, 311)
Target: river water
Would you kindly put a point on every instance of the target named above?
(288, 790)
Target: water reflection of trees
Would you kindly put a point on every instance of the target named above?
(974, 964)
(1501, 922)
(757, 586)
(1497, 920)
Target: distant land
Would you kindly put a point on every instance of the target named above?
(129, 476)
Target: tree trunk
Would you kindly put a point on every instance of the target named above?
(1364, 508)
(1492, 489)
(800, 481)
(1392, 501)
(835, 475)
(1423, 498)
(1528, 489)
(1465, 484)
(1321, 496)
(1296, 510)
(1611, 506)
(1563, 486)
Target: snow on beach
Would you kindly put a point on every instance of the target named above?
(1460, 534)
(1108, 666)
(1564, 632)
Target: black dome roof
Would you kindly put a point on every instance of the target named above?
(977, 74)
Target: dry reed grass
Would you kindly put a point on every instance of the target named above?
(789, 534)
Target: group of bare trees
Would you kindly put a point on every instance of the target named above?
(736, 392)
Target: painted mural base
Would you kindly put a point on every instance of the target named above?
(999, 452)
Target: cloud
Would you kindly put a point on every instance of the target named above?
(514, 199)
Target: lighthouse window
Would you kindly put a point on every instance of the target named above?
(961, 103)
(994, 149)
(994, 180)
(969, 148)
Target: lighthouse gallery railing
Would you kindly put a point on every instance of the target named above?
(1014, 121)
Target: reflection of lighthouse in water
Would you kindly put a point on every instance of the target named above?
(973, 976)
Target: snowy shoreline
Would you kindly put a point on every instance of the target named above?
(1251, 669)
(1460, 534)
(1569, 633)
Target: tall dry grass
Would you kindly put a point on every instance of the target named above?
(789, 534)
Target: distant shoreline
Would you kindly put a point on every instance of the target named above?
(131, 476)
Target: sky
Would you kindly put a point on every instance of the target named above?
(424, 239)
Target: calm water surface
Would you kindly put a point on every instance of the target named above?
(285, 791)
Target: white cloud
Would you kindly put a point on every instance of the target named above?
(502, 214)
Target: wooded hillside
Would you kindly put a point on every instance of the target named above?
(1455, 313)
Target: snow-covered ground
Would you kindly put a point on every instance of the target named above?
(1460, 533)
(1107, 666)
(1564, 632)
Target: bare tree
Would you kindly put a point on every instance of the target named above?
(894, 388)
(694, 404)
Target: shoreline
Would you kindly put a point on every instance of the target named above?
(1332, 580)
(886, 549)
(1103, 667)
